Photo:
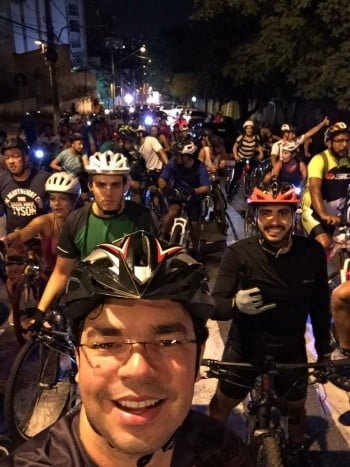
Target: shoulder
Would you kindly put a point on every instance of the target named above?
(42, 175)
(78, 214)
(308, 245)
(58, 445)
(206, 439)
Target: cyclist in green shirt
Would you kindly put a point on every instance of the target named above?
(106, 219)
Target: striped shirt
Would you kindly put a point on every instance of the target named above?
(247, 147)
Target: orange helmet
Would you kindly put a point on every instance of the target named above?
(275, 193)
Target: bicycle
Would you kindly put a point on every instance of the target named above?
(244, 181)
(215, 206)
(265, 412)
(31, 284)
(180, 233)
(152, 197)
(41, 387)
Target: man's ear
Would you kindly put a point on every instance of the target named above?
(76, 351)
(126, 184)
(90, 185)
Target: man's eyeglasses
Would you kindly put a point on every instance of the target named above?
(107, 354)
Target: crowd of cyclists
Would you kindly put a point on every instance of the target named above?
(91, 192)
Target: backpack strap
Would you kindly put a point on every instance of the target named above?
(325, 162)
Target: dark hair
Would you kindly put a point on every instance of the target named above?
(75, 137)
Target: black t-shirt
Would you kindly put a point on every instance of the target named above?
(200, 442)
(296, 282)
(24, 200)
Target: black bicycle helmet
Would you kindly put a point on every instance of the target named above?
(133, 267)
(335, 130)
(13, 143)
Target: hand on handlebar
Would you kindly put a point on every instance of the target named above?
(331, 220)
(33, 320)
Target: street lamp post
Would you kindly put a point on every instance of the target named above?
(116, 44)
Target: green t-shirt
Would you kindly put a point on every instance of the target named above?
(83, 230)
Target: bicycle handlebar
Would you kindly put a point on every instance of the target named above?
(227, 367)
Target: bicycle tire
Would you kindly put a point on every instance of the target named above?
(267, 451)
(249, 227)
(220, 207)
(29, 292)
(29, 408)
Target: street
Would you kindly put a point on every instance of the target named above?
(327, 407)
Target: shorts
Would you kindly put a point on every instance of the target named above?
(290, 385)
(313, 224)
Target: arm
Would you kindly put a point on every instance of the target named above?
(35, 227)
(274, 173)
(235, 151)
(274, 153)
(315, 185)
(162, 183)
(226, 285)
(163, 156)
(85, 160)
(316, 128)
(306, 147)
(55, 165)
(303, 170)
(57, 282)
(260, 152)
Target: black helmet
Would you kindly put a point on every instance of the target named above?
(133, 267)
(13, 143)
(334, 130)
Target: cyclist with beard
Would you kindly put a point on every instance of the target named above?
(268, 285)
(328, 180)
(106, 219)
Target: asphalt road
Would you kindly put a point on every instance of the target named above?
(328, 408)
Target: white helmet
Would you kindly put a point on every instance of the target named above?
(248, 123)
(108, 163)
(285, 127)
(290, 146)
(62, 182)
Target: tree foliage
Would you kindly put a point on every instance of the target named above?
(299, 47)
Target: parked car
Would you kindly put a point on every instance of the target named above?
(227, 130)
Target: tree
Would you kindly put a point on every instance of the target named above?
(295, 48)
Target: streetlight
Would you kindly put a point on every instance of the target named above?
(117, 44)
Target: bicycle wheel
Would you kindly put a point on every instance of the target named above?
(249, 223)
(30, 408)
(28, 295)
(267, 451)
(220, 211)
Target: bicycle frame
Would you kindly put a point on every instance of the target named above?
(181, 223)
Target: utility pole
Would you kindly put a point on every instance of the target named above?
(113, 76)
(51, 57)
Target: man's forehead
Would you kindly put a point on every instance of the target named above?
(274, 207)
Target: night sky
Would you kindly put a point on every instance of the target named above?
(145, 16)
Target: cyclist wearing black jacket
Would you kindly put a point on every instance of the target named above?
(269, 285)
